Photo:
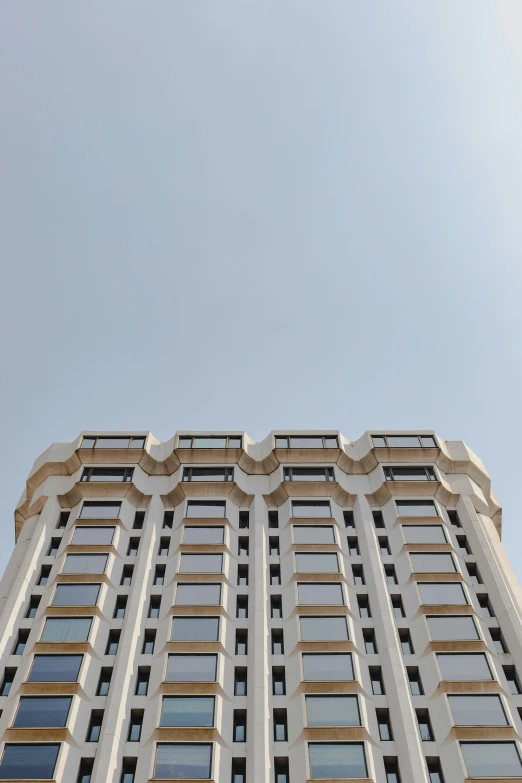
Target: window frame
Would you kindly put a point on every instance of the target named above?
(189, 472)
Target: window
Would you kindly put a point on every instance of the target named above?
(85, 771)
(439, 563)
(94, 509)
(168, 520)
(405, 642)
(462, 543)
(278, 647)
(208, 474)
(201, 564)
(134, 544)
(398, 608)
(491, 759)
(376, 681)
(62, 520)
(378, 518)
(498, 641)
(358, 575)
(95, 724)
(477, 710)
(210, 442)
(159, 575)
(512, 680)
(313, 534)
(142, 681)
(206, 509)
(273, 519)
(474, 574)
(115, 442)
(306, 442)
(164, 546)
(452, 629)
(240, 681)
(139, 519)
(275, 575)
(417, 473)
(241, 641)
(434, 771)
(324, 629)
(149, 639)
(9, 675)
(244, 520)
(85, 564)
(195, 629)
(404, 441)
(179, 761)
(191, 668)
(276, 607)
(21, 641)
(34, 603)
(424, 534)
(323, 563)
(113, 642)
(107, 474)
(29, 762)
(349, 520)
(332, 711)
(280, 726)
(203, 535)
(35, 712)
(278, 681)
(154, 606)
(416, 508)
(136, 722)
(242, 606)
(76, 595)
(44, 576)
(242, 546)
(353, 546)
(53, 547)
(242, 575)
(85, 534)
(308, 474)
(425, 730)
(55, 668)
(370, 645)
(391, 576)
(415, 682)
(273, 545)
(128, 770)
(337, 760)
(66, 629)
(126, 575)
(384, 546)
(485, 605)
(317, 594)
(311, 509)
(364, 606)
(383, 722)
(454, 518)
(238, 770)
(391, 768)
(281, 772)
(464, 666)
(239, 726)
(190, 594)
(326, 667)
(434, 593)
(104, 683)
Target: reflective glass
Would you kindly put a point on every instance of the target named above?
(203, 535)
(209, 443)
(314, 534)
(37, 712)
(465, 667)
(76, 595)
(95, 510)
(177, 761)
(201, 564)
(198, 595)
(324, 629)
(85, 564)
(55, 668)
(477, 711)
(191, 668)
(313, 594)
(112, 443)
(187, 711)
(409, 474)
(206, 510)
(310, 509)
(29, 762)
(426, 563)
(424, 534)
(337, 760)
(306, 443)
(93, 535)
(322, 563)
(333, 711)
(207, 474)
(439, 593)
(416, 508)
(66, 629)
(491, 759)
(195, 629)
(449, 629)
(403, 441)
(334, 666)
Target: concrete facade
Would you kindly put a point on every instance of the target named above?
(394, 537)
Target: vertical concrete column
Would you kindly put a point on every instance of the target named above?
(406, 734)
(258, 760)
(106, 765)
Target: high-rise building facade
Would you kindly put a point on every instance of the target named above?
(304, 608)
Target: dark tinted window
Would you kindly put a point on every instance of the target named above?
(55, 668)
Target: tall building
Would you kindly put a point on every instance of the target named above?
(300, 609)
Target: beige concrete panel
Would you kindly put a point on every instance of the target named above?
(101, 490)
(309, 489)
(419, 521)
(63, 647)
(446, 609)
(210, 521)
(206, 489)
(318, 578)
(200, 578)
(197, 647)
(419, 576)
(326, 647)
(198, 549)
(82, 578)
(427, 548)
(73, 611)
(209, 456)
(471, 646)
(483, 733)
(50, 689)
(343, 780)
(418, 456)
(475, 686)
(37, 735)
(95, 549)
(79, 522)
(350, 686)
(320, 610)
(307, 456)
(191, 688)
(197, 734)
(203, 611)
(315, 548)
(334, 734)
(329, 521)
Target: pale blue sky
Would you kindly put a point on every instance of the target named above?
(258, 215)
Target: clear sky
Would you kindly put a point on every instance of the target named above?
(261, 214)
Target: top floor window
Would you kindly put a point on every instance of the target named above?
(401, 473)
(113, 442)
(306, 442)
(210, 442)
(404, 442)
(308, 474)
(208, 474)
(107, 474)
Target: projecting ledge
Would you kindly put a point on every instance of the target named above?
(353, 780)
(194, 734)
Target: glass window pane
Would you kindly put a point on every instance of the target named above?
(93, 535)
(332, 711)
(191, 668)
(313, 534)
(477, 711)
(85, 564)
(210, 443)
(308, 474)
(327, 629)
(311, 509)
(316, 563)
(198, 595)
(424, 534)
(204, 535)
(403, 441)
(416, 508)
(440, 593)
(424, 562)
(29, 762)
(206, 510)
(449, 629)
(177, 761)
(208, 474)
(337, 760)
(76, 595)
(401, 473)
(55, 668)
(491, 759)
(464, 667)
(335, 666)
(113, 443)
(320, 594)
(97, 510)
(195, 629)
(35, 712)
(187, 711)
(201, 564)
(66, 629)
(306, 443)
